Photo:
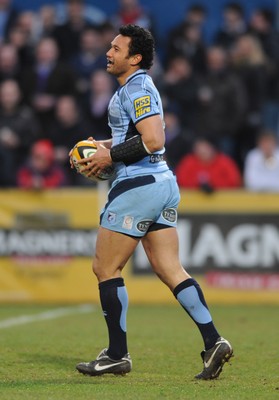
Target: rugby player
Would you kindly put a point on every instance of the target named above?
(142, 206)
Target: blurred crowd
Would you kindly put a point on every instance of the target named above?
(221, 100)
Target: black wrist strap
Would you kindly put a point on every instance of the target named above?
(129, 152)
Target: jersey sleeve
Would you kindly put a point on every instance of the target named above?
(140, 104)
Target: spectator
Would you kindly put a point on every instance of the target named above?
(180, 85)
(101, 90)
(67, 128)
(261, 26)
(234, 25)
(177, 139)
(68, 34)
(251, 65)
(207, 169)
(222, 101)
(131, 12)
(108, 33)
(9, 63)
(261, 170)
(45, 22)
(26, 21)
(90, 58)
(18, 130)
(156, 71)
(47, 80)
(188, 42)
(8, 16)
(18, 38)
(40, 171)
(90, 13)
(195, 15)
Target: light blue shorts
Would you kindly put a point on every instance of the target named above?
(142, 204)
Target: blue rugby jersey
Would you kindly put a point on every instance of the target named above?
(132, 102)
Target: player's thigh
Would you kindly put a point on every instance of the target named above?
(162, 250)
(113, 249)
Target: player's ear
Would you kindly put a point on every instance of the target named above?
(136, 59)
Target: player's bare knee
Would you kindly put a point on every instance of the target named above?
(98, 271)
(95, 268)
(103, 273)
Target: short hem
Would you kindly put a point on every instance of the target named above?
(157, 227)
(123, 233)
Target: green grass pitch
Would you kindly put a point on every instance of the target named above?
(38, 358)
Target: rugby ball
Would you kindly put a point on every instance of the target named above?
(85, 149)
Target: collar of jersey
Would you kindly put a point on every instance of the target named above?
(138, 72)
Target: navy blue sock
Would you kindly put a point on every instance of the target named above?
(190, 296)
(114, 301)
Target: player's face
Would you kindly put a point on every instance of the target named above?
(119, 63)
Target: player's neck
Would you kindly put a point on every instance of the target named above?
(123, 78)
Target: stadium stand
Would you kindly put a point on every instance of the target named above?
(209, 58)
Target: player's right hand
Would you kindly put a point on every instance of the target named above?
(71, 151)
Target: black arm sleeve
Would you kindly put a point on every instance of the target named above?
(129, 152)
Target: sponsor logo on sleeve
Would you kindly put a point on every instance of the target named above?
(142, 106)
(169, 214)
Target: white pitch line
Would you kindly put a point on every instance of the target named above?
(46, 315)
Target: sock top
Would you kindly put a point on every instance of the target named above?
(115, 282)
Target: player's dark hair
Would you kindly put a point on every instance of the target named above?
(142, 42)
